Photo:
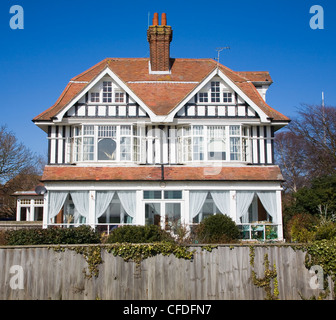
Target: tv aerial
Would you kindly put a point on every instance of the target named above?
(219, 49)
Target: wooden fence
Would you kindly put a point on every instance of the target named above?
(39, 272)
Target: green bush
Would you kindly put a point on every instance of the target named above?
(138, 234)
(326, 230)
(217, 228)
(302, 228)
(78, 235)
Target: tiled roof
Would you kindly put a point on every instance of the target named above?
(162, 97)
(155, 173)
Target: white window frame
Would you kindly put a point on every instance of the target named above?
(117, 92)
(187, 136)
(79, 136)
(94, 95)
(108, 98)
(205, 95)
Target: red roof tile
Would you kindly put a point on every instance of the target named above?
(161, 98)
(154, 173)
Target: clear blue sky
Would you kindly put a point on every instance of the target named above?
(62, 38)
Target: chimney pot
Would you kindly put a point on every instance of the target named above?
(156, 19)
(163, 19)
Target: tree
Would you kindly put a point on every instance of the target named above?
(290, 156)
(316, 127)
(307, 148)
(20, 170)
(14, 156)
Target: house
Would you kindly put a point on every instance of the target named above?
(29, 206)
(163, 141)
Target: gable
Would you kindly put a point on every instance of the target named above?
(105, 99)
(161, 96)
(216, 99)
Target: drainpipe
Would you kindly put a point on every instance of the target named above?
(162, 172)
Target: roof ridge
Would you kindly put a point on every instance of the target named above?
(88, 70)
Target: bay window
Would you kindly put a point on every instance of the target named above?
(214, 143)
(104, 143)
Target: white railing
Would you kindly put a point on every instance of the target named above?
(101, 227)
(258, 231)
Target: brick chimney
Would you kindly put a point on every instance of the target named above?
(159, 38)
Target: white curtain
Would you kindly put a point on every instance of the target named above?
(268, 200)
(222, 201)
(244, 200)
(128, 201)
(81, 202)
(56, 202)
(103, 199)
(196, 201)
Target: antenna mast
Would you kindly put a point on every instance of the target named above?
(219, 49)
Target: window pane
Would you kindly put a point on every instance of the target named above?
(88, 149)
(173, 216)
(78, 131)
(125, 148)
(197, 130)
(174, 194)
(216, 149)
(152, 194)
(107, 149)
(107, 91)
(152, 214)
(234, 130)
(88, 130)
(78, 149)
(107, 131)
(198, 149)
(216, 143)
(125, 130)
(235, 149)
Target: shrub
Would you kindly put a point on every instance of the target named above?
(3, 240)
(78, 235)
(217, 228)
(138, 234)
(326, 230)
(302, 228)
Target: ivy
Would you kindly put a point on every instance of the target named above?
(209, 247)
(266, 281)
(127, 251)
(91, 254)
(323, 253)
(139, 252)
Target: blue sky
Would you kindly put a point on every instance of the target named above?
(62, 38)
